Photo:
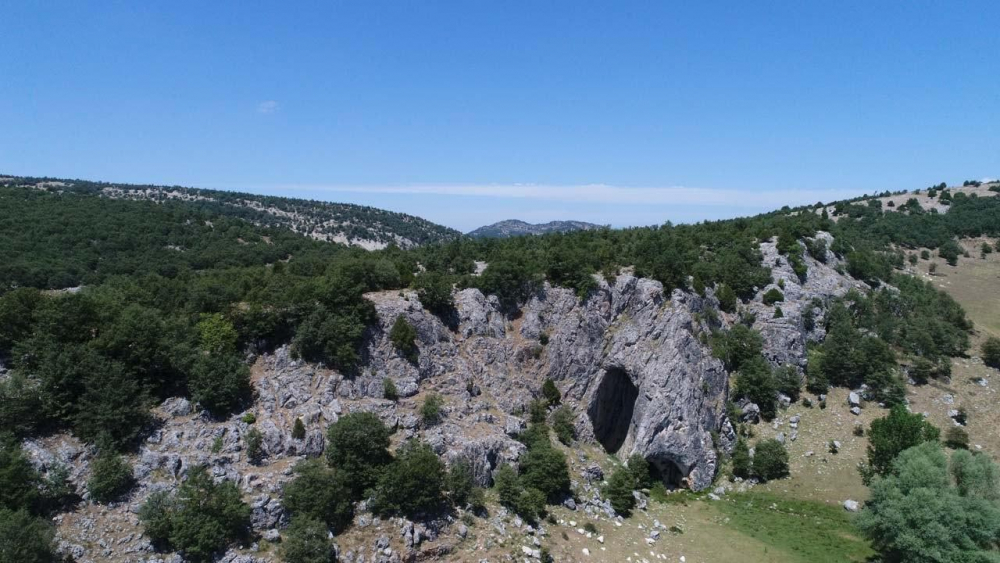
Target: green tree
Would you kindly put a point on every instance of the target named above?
(727, 298)
(773, 296)
(404, 338)
(770, 460)
(320, 493)
(298, 430)
(460, 482)
(544, 468)
(756, 383)
(788, 381)
(201, 520)
(918, 513)
(359, 446)
(562, 425)
(619, 490)
(507, 485)
(742, 462)
(306, 541)
(430, 410)
(413, 483)
(551, 393)
(893, 433)
(254, 441)
(24, 538)
(389, 390)
(737, 346)
(639, 468)
(219, 383)
(20, 484)
(110, 476)
(434, 291)
(991, 352)
(216, 334)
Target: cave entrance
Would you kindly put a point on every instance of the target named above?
(666, 471)
(610, 411)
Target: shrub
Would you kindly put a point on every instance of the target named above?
(25, 539)
(110, 476)
(832, 447)
(298, 430)
(773, 296)
(770, 460)
(562, 425)
(619, 490)
(991, 352)
(551, 392)
(778, 313)
(434, 291)
(543, 339)
(956, 438)
(413, 483)
(460, 482)
(886, 386)
(859, 429)
(404, 338)
(430, 411)
(216, 334)
(249, 418)
(254, 441)
(201, 520)
(358, 445)
(640, 471)
(306, 541)
(507, 486)
(389, 390)
(538, 411)
(925, 255)
(320, 493)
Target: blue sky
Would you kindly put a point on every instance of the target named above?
(619, 113)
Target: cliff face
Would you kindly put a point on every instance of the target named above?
(632, 363)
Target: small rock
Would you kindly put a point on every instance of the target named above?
(856, 411)
(851, 505)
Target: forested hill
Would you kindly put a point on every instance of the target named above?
(355, 225)
(515, 228)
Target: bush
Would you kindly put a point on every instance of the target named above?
(619, 490)
(434, 291)
(306, 541)
(773, 296)
(507, 486)
(25, 539)
(412, 484)
(551, 392)
(358, 445)
(110, 476)
(640, 470)
(538, 411)
(389, 390)
(249, 418)
(925, 255)
(890, 435)
(956, 438)
(320, 493)
(298, 430)
(430, 411)
(770, 460)
(254, 441)
(460, 482)
(562, 425)
(991, 352)
(201, 520)
(404, 339)
(736, 346)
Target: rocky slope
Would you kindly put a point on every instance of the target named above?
(516, 228)
(631, 362)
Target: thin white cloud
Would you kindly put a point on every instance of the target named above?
(603, 194)
(268, 106)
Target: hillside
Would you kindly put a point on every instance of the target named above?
(583, 397)
(516, 228)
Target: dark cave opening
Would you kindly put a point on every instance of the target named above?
(666, 471)
(610, 411)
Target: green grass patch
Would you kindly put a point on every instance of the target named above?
(807, 531)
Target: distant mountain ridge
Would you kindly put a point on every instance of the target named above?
(516, 228)
(352, 225)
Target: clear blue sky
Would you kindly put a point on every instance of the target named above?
(471, 112)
